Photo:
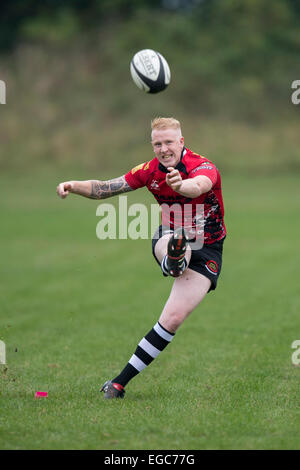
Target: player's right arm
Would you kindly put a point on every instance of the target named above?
(94, 189)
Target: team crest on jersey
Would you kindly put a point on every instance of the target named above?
(154, 185)
(211, 266)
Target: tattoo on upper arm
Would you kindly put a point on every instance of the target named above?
(105, 189)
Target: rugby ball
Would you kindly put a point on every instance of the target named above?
(150, 71)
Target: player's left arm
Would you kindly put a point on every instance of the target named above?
(191, 187)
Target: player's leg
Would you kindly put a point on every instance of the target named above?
(151, 345)
(187, 292)
(161, 246)
(173, 252)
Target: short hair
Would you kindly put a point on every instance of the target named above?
(161, 123)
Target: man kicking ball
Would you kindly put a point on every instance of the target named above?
(190, 252)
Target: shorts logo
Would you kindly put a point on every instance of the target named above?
(212, 267)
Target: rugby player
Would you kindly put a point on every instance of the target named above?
(180, 178)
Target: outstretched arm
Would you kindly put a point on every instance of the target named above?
(94, 189)
(191, 187)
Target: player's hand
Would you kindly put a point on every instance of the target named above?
(64, 189)
(173, 179)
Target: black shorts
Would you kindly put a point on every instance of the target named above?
(206, 261)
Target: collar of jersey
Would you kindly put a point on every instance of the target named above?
(180, 166)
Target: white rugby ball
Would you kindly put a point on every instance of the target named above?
(150, 71)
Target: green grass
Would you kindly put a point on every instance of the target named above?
(73, 309)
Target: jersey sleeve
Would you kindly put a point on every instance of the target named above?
(207, 169)
(138, 176)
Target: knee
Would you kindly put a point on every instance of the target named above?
(171, 319)
(175, 320)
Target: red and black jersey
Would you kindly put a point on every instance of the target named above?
(153, 175)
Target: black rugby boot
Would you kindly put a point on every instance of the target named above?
(112, 390)
(176, 251)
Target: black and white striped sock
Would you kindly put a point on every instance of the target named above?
(164, 265)
(148, 349)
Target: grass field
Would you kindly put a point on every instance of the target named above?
(73, 309)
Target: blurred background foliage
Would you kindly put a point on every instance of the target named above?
(72, 106)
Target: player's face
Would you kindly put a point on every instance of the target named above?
(167, 145)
